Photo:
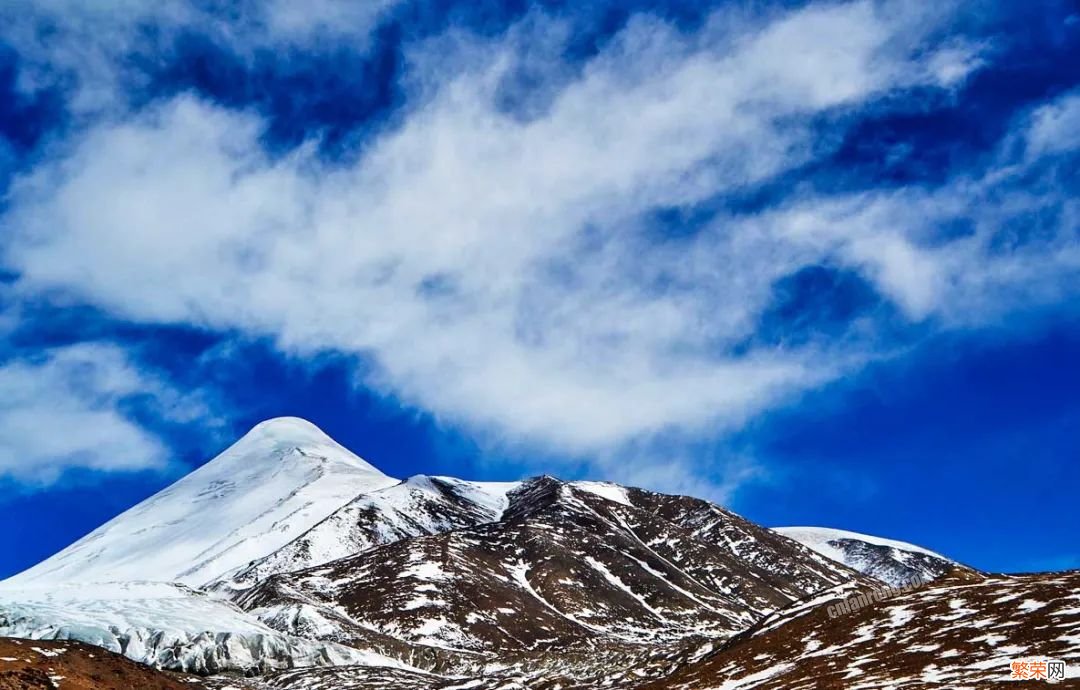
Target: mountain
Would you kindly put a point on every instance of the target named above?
(895, 563)
(214, 573)
(640, 594)
(130, 586)
(289, 558)
(565, 568)
(276, 482)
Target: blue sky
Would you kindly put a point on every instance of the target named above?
(815, 260)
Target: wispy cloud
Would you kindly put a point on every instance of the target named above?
(1054, 127)
(72, 408)
(87, 49)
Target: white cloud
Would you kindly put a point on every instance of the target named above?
(496, 269)
(63, 409)
(1021, 249)
(86, 47)
(302, 23)
(1054, 126)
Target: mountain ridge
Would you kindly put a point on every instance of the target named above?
(565, 568)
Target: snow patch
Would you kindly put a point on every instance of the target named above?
(818, 538)
(612, 492)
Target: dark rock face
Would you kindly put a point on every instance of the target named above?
(576, 587)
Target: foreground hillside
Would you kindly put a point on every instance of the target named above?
(962, 630)
(48, 665)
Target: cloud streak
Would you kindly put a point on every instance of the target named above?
(87, 49)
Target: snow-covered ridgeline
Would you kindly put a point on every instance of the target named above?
(896, 563)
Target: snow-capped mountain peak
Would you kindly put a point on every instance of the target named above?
(278, 435)
(276, 482)
(893, 562)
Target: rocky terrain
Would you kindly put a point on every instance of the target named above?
(48, 665)
(962, 630)
(567, 578)
(289, 562)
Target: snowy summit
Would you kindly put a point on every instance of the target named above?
(273, 484)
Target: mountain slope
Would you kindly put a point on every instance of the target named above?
(276, 482)
(69, 665)
(962, 630)
(565, 568)
(418, 506)
(893, 562)
(165, 625)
